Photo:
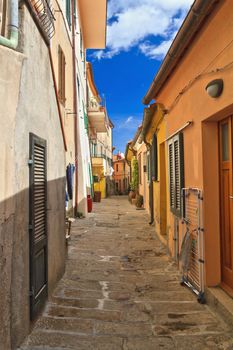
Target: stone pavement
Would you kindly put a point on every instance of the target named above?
(121, 292)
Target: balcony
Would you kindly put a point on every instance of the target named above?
(93, 15)
(45, 15)
(97, 118)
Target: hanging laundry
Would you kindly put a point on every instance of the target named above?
(69, 178)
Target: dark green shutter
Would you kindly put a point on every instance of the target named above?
(176, 172)
(68, 12)
(171, 175)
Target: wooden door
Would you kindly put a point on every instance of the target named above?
(163, 190)
(38, 224)
(226, 204)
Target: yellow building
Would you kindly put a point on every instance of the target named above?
(100, 135)
(153, 134)
(137, 148)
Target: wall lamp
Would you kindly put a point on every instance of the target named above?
(214, 88)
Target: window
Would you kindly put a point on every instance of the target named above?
(154, 165)
(68, 12)
(176, 172)
(61, 76)
(117, 168)
(95, 178)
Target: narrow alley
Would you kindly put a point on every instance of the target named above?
(122, 291)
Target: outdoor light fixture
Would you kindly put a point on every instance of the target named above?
(214, 88)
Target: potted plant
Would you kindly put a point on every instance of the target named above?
(135, 180)
(139, 201)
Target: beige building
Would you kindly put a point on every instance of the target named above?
(42, 130)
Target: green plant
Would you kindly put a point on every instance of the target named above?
(139, 201)
(135, 176)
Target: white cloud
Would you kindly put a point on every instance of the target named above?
(128, 124)
(132, 22)
(155, 51)
(128, 120)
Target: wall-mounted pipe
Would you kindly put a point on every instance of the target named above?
(13, 40)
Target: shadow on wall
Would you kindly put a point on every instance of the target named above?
(14, 259)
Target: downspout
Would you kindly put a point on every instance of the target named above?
(75, 107)
(12, 42)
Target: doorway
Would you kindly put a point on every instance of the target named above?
(163, 190)
(226, 202)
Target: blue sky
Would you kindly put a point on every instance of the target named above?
(139, 34)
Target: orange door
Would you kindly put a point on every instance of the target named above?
(226, 204)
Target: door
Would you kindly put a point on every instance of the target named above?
(38, 225)
(151, 189)
(145, 177)
(163, 190)
(226, 204)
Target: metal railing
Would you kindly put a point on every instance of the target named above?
(45, 14)
(192, 249)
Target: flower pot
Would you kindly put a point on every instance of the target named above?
(132, 195)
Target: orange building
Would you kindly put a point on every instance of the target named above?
(121, 175)
(194, 83)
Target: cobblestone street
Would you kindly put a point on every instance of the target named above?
(122, 291)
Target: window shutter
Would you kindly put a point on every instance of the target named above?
(59, 72)
(171, 175)
(176, 172)
(181, 154)
(63, 78)
(38, 223)
(68, 17)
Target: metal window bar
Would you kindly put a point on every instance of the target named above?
(45, 14)
(192, 220)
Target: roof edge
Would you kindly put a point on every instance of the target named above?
(192, 23)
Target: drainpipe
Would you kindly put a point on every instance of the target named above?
(75, 107)
(12, 42)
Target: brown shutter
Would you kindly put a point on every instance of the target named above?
(59, 73)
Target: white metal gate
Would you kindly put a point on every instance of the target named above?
(192, 220)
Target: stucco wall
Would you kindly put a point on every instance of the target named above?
(185, 98)
(9, 92)
(28, 105)
(63, 38)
